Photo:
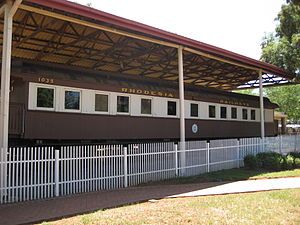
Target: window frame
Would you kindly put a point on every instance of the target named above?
(236, 113)
(251, 111)
(245, 110)
(215, 116)
(176, 112)
(129, 104)
(36, 86)
(197, 104)
(226, 114)
(64, 99)
(147, 98)
(108, 102)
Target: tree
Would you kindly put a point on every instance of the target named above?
(282, 48)
(247, 91)
(288, 99)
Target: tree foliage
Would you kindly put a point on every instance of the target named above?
(246, 92)
(288, 99)
(282, 48)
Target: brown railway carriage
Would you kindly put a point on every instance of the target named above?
(57, 104)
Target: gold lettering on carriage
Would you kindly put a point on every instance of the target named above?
(46, 80)
(232, 102)
(147, 92)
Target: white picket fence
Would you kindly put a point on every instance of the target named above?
(44, 172)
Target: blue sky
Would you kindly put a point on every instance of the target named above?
(234, 25)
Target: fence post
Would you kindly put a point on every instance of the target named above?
(238, 154)
(176, 159)
(125, 168)
(280, 144)
(297, 139)
(56, 173)
(207, 156)
(295, 142)
(262, 145)
(182, 148)
(3, 174)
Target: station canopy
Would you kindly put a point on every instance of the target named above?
(63, 32)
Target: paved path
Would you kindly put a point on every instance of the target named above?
(245, 186)
(29, 212)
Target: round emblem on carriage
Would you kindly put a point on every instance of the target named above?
(195, 128)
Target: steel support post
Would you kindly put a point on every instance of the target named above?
(9, 9)
(5, 86)
(262, 117)
(182, 115)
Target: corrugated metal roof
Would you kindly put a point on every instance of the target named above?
(97, 15)
(43, 38)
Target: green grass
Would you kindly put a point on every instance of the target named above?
(273, 207)
(284, 173)
(231, 175)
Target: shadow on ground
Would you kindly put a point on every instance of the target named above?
(44, 210)
(216, 176)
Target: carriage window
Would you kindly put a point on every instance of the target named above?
(101, 103)
(212, 111)
(194, 110)
(252, 114)
(45, 97)
(123, 104)
(146, 106)
(171, 108)
(223, 112)
(72, 100)
(233, 113)
(245, 114)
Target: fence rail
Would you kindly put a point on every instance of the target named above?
(30, 173)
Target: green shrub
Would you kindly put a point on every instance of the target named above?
(271, 161)
(297, 163)
(260, 159)
(287, 162)
(295, 156)
(250, 162)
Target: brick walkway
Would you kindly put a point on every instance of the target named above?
(42, 210)
(29, 212)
